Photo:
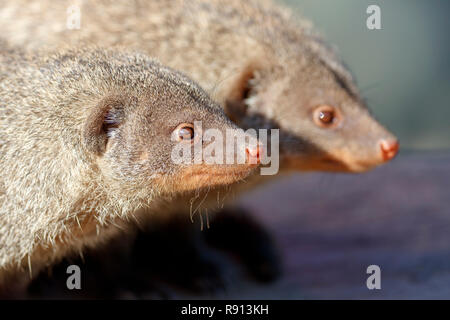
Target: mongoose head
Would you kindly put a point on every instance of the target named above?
(292, 80)
(132, 135)
(324, 123)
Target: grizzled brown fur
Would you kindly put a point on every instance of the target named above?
(85, 141)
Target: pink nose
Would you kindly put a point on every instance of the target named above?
(389, 149)
(254, 154)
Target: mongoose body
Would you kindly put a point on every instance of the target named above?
(85, 142)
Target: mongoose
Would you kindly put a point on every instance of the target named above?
(266, 67)
(85, 141)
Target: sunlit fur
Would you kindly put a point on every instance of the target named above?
(66, 183)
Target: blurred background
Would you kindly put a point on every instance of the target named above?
(403, 69)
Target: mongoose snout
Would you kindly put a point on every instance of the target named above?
(254, 153)
(389, 148)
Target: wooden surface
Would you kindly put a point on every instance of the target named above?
(330, 227)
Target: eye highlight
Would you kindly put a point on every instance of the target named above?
(325, 116)
(184, 132)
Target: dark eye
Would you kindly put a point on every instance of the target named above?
(325, 116)
(185, 132)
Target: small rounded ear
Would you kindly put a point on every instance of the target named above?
(105, 116)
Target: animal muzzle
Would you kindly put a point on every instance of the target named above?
(253, 154)
(389, 149)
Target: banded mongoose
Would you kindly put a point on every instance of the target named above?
(267, 68)
(86, 137)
